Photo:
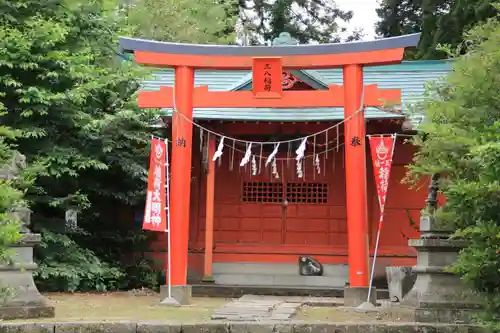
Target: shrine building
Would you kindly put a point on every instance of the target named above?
(257, 223)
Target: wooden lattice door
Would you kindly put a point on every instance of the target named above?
(285, 212)
(306, 217)
(262, 212)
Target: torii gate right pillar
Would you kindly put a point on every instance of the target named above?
(355, 169)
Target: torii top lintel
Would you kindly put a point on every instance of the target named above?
(368, 53)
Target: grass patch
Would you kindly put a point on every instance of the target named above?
(126, 306)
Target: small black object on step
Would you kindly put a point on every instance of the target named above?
(309, 266)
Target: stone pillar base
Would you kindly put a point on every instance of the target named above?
(181, 294)
(437, 295)
(208, 279)
(24, 301)
(355, 296)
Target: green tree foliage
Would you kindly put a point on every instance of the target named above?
(72, 98)
(306, 20)
(440, 21)
(462, 143)
(255, 22)
(10, 196)
(61, 254)
(398, 17)
(195, 21)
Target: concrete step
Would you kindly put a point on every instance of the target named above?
(280, 280)
(273, 269)
(228, 291)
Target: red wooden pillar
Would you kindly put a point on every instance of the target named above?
(209, 213)
(182, 135)
(355, 166)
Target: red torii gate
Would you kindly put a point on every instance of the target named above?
(267, 64)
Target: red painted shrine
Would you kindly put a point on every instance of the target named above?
(222, 213)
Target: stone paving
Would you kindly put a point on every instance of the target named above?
(269, 308)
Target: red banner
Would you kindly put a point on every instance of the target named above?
(155, 215)
(382, 149)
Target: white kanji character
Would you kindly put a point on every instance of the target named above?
(156, 220)
(383, 173)
(157, 183)
(157, 171)
(383, 186)
(155, 208)
(157, 195)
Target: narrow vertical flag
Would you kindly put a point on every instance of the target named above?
(155, 215)
(382, 150)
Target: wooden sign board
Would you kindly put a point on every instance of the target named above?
(267, 76)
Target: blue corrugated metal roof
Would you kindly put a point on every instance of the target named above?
(215, 80)
(410, 77)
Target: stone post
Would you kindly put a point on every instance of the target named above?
(22, 299)
(437, 295)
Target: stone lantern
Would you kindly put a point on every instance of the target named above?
(437, 295)
(22, 299)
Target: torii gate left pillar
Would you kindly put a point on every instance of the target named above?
(182, 137)
(185, 58)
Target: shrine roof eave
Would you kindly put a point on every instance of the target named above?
(283, 114)
(130, 45)
(293, 115)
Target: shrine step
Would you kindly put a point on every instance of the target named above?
(273, 269)
(277, 274)
(231, 291)
(280, 280)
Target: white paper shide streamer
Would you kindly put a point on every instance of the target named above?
(273, 154)
(254, 166)
(246, 158)
(218, 153)
(317, 164)
(272, 159)
(274, 169)
(300, 155)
